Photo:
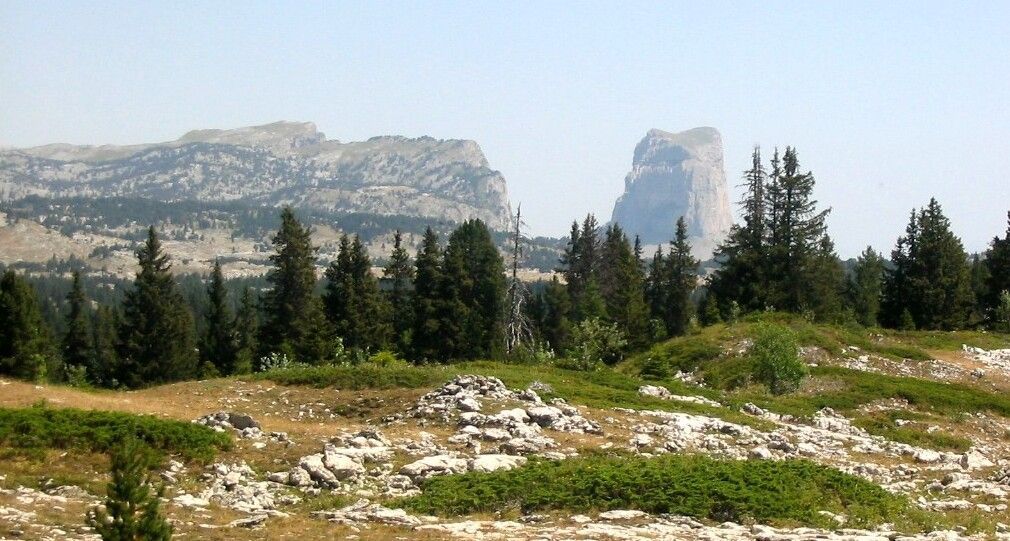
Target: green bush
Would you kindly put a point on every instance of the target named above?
(693, 485)
(40, 427)
(776, 359)
(595, 341)
(1001, 316)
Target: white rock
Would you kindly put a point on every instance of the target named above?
(490, 463)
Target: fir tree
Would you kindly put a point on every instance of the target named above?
(132, 510)
(77, 341)
(825, 282)
(865, 287)
(25, 347)
(425, 339)
(156, 342)
(400, 273)
(294, 321)
(218, 348)
(472, 293)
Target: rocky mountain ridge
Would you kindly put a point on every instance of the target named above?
(273, 164)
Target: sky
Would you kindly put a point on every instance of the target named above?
(888, 103)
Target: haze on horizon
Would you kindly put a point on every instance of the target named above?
(887, 104)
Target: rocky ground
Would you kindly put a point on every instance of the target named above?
(321, 463)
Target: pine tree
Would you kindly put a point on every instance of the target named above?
(132, 510)
(156, 342)
(518, 329)
(353, 303)
(681, 278)
(997, 263)
(246, 327)
(400, 273)
(425, 338)
(104, 338)
(77, 341)
(294, 322)
(25, 347)
(865, 287)
(472, 292)
(218, 348)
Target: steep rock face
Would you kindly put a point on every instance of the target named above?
(674, 175)
(274, 164)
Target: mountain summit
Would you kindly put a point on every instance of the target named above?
(674, 175)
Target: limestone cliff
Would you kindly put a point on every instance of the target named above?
(674, 175)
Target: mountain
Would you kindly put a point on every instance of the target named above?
(674, 175)
(274, 164)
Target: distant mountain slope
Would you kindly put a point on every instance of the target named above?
(273, 164)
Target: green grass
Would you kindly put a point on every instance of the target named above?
(364, 376)
(790, 492)
(884, 425)
(845, 390)
(39, 428)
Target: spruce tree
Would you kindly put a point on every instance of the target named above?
(294, 322)
(132, 509)
(930, 278)
(218, 347)
(555, 327)
(825, 286)
(400, 273)
(796, 233)
(741, 277)
(353, 303)
(425, 338)
(104, 339)
(77, 344)
(246, 328)
(656, 286)
(25, 348)
(622, 287)
(997, 263)
(681, 278)
(865, 287)
(473, 293)
(156, 342)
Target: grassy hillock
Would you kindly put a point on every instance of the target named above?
(39, 428)
(778, 492)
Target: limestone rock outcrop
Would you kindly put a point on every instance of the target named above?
(674, 175)
(274, 164)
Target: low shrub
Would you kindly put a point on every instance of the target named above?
(41, 427)
(594, 341)
(776, 359)
(790, 491)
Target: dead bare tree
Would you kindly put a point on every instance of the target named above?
(518, 331)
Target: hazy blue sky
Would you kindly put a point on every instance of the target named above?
(888, 102)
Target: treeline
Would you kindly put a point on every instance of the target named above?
(782, 258)
(455, 301)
